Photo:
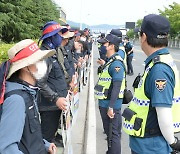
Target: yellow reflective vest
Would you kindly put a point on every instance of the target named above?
(125, 56)
(104, 82)
(135, 116)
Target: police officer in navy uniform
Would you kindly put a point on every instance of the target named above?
(102, 48)
(109, 92)
(121, 51)
(153, 114)
(129, 52)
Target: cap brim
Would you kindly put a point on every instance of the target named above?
(50, 34)
(34, 58)
(102, 41)
(68, 34)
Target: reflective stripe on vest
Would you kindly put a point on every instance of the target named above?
(140, 103)
(105, 81)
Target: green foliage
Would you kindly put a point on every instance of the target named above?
(138, 23)
(173, 14)
(3, 51)
(24, 18)
(130, 33)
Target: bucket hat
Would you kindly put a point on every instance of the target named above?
(26, 53)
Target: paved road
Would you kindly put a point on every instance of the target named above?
(138, 64)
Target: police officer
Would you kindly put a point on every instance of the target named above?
(129, 52)
(19, 123)
(109, 92)
(102, 48)
(121, 51)
(53, 86)
(153, 114)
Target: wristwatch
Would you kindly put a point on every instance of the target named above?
(176, 139)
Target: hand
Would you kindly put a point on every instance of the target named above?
(110, 113)
(75, 66)
(71, 84)
(52, 148)
(62, 103)
(79, 64)
(101, 61)
(176, 145)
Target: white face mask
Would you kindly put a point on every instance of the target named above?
(78, 51)
(83, 39)
(41, 70)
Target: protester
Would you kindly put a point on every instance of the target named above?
(53, 86)
(63, 55)
(19, 124)
(109, 92)
(153, 113)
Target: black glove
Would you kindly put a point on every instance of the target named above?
(176, 145)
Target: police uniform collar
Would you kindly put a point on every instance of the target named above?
(158, 52)
(113, 56)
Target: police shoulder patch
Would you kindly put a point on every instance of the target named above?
(160, 84)
(117, 69)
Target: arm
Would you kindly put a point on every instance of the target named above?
(116, 71)
(12, 124)
(50, 147)
(165, 121)
(115, 92)
(48, 93)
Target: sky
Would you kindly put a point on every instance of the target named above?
(113, 12)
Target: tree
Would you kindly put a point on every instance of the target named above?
(131, 33)
(173, 14)
(24, 18)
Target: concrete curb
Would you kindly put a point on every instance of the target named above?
(90, 138)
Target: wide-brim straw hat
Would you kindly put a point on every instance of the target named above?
(26, 53)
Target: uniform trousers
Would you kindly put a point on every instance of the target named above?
(129, 64)
(116, 129)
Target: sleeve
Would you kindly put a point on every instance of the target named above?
(165, 122)
(116, 72)
(44, 88)
(160, 85)
(12, 124)
(47, 145)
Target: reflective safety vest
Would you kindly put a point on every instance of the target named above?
(104, 82)
(99, 45)
(121, 47)
(135, 116)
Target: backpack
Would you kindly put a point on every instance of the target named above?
(4, 69)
